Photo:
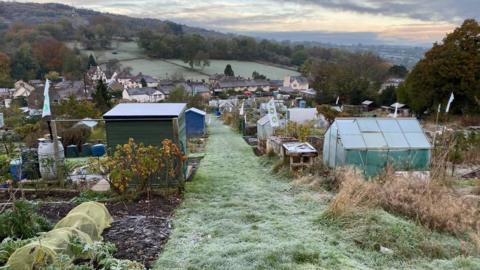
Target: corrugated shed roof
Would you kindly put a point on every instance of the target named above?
(195, 110)
(381, 133)
(145, 110)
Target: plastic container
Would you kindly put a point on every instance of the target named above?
(98, 150)
(86, 150)
(16, 169)
(46, 158)
(72, 151)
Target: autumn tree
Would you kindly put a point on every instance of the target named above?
(449, 66)
(50, 54)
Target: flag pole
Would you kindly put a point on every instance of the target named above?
(436, 125)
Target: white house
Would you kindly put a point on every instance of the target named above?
(23, 89)
(145, 94)
(296, 83)
(95, 73)
(395, 82)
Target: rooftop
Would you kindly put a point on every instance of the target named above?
(142, 91)
(380, 133)
(195, 110)
(145, 110)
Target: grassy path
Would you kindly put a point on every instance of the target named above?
(237, 215)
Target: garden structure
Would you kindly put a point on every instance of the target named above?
(147, 123)
(195, 122)
(372, 144)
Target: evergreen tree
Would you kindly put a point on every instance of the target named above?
(24, 65)
(229, 71)
(91, 61)
(143, 82)
(102, 98)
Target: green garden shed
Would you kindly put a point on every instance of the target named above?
(147, 123)
(371, 144)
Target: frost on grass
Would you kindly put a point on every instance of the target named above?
(237, 215)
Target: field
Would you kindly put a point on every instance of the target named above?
(130, 55)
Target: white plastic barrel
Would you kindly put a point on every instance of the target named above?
(46, 158)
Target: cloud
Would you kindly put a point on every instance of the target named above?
(416, 21)
(437, 10)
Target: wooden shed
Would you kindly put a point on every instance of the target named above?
(147, 123)
(195, 122)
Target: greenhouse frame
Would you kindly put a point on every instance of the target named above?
(372, 144)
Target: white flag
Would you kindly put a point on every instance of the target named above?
(336, 102)
(272, 113)
(46, 100)
(241, 108)
(396, 110)
(450, 100)
(439, 107)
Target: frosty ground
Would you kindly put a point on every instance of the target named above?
(237, 214)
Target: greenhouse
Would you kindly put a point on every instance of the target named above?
(371, 144)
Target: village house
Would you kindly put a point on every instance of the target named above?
(391, 82)
(149, 80)
(275, 84)
(294, 84)
(65, 89)
(144, 94)
(95, 73)
(23, 89)
(213, 79)
(241, 85)
(196, 88)
(6, 93)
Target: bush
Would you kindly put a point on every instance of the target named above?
(75, 135)
(22, 222)
(137, 165)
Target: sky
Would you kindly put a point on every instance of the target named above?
(402, 22)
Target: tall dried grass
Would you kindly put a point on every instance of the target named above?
(428, 202)
(354, 194)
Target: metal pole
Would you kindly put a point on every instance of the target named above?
(436, 125)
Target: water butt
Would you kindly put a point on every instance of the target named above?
(46, 158)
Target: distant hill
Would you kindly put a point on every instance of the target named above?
(35, 13)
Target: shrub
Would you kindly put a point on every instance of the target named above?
(75, 135)
(22, 222)
(139, 165)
